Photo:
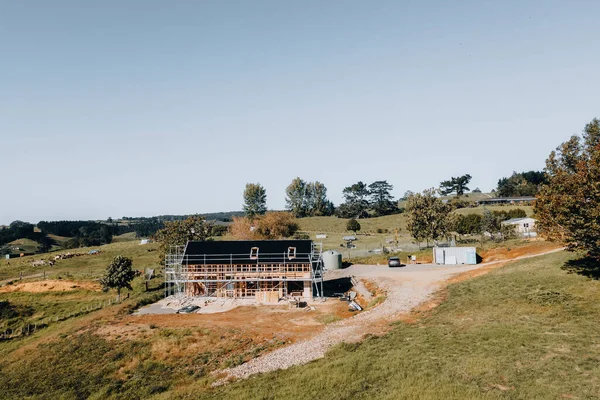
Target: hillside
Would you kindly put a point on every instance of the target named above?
(378, 231)
(84, 267)
(508, 334)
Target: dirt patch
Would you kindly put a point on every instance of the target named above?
(530, 248)
(50, 286)
(264, 321)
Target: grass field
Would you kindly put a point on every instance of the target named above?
(480, 209)
(84, 267)
(24, 245)
(368, 236)
(525, 331)
(126, 237)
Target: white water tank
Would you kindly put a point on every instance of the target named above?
(332, 260)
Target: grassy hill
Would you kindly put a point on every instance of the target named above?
(85, 267)
(126, 237)
(375, 232)
(24, 245)
(525, 331)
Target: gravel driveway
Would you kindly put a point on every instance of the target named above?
(407, 287)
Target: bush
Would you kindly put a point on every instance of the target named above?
(456, 204)
(517, 213)
(468, 224)
(353, 225)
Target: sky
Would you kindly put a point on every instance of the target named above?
(141, 108)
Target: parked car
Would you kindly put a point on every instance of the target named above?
(394, 262)
(188, 309)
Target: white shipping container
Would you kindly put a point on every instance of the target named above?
(454, 255)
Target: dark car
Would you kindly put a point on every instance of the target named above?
(188, 309)
(394, 262)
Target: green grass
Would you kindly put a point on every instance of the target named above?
(126, 237)
(25, 246)
(73, 359)
(85, 267)
(480, 209)
(368, 236)
(525, 331)
(59, 239)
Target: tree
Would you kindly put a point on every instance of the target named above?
(45, 243)
(255, 200)
(242, 228)
(356, 201)
(490, 223)
(305, 199)
(468, 224)
(456, 185)
(381, 200)
(318, 203)
(119, 274)
(276, 225)
(568, 205)
(353, 225)
(272, 225)
(179, 232)
(407, 194)
(428, 217)
(296, 198)
(521, 184)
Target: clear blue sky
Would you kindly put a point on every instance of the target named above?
(139, 108)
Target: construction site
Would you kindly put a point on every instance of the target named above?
(264, 270)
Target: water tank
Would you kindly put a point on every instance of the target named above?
(332, 260)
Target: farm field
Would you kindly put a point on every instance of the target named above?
(85, 266)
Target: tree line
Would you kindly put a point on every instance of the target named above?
(309, 199)
(23, 230)
(84, 233)
(361, 200)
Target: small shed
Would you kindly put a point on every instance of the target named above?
(454, 255)
(523, 226)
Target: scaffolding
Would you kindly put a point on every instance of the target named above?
(221, 276)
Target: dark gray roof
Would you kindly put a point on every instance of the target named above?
(499, 199)
(238, 252)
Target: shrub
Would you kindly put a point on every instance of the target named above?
(353, 225)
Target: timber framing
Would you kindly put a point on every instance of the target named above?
(264, 270)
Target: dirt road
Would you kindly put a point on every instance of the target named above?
(406, 288)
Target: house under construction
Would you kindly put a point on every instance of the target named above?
(266, 270)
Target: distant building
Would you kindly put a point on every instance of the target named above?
(523, 226)
(506, 200)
